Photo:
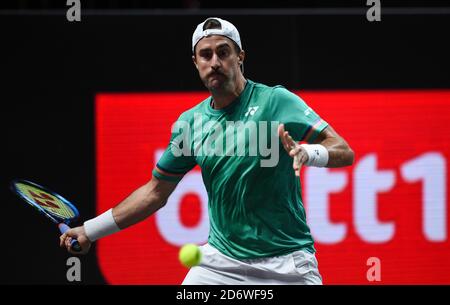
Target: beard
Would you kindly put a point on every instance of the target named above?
(216, 81)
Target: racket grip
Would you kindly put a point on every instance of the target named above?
(74, 243)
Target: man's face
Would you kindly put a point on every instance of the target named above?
(217, 62)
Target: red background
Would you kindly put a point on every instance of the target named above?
(396, 126)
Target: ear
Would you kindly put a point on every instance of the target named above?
(194, 60)
(241, 57)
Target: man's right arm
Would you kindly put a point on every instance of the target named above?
(143, 202)
(139, 205)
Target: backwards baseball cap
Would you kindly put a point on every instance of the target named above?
(227, 29)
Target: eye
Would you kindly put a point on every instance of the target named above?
(223, 53)
(205, 54)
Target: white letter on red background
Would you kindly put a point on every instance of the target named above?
(368, 182)
(320, 182)
(431, 169)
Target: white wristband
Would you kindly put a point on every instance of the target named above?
(318, 155)
(101, 226)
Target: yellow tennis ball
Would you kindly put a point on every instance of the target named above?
(190, 255)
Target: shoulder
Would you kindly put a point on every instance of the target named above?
(189, 114)
(277, 92)
(281, 94)
(262, 89)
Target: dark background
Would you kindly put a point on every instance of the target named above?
(51, 70)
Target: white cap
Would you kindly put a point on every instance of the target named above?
(227, 30)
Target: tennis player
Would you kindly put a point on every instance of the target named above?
(258, 230)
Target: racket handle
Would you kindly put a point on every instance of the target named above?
(74, 243)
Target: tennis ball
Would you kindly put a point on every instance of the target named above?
(190, 255)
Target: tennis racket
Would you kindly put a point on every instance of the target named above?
(53, 206)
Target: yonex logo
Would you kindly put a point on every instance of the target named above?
(251, 111)
(44, 200)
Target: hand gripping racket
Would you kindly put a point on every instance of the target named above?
(53, 206)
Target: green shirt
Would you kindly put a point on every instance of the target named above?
(255, 208)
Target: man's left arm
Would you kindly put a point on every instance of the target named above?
(339, 152)
(328, 150)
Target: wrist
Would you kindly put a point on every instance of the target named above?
(317, 155)
(101, 226)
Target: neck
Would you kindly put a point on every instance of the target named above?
(224, 98)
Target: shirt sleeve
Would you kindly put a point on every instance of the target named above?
(298, 118)
(175, 162)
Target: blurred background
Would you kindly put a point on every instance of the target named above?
(87, 107)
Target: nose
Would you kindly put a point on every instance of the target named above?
(215, 62)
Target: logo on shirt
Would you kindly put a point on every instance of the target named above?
(228, 138)
(251, 111)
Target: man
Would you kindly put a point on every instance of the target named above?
(259, 233)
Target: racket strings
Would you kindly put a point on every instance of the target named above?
(47, 201)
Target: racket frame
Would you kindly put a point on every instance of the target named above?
(63, 223)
